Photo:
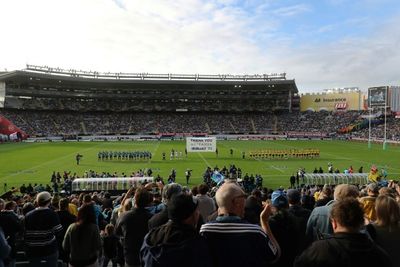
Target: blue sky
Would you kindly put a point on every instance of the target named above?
(322, 44)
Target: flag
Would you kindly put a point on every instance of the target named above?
(217, 177)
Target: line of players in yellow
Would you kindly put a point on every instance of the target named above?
(308, 153)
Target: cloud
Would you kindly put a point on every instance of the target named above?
(192, 36)
(292, 10)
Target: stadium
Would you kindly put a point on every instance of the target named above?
(46, 107)
(77, 132)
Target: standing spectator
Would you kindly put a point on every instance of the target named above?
(347, 246)
(324, 197)
(253, 207)
(168, 192)
(285, 229)
(66, 219)
(42, 228)
(318, 225)
(82, 240)
(4, 248)
(206, 203)
(300, 213)
(386, 229)
(110, 246)
(11, 225)
(176, 243)
(230, 233)
(368, 202)
(132, 226)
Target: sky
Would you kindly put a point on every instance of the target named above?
(320, 43)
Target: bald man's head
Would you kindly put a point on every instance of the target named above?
(226, 196)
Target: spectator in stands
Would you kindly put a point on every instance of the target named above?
(324, 196)
(318, 225)
(206, 204)
(347, 246)
(132, 226)
(110, 246)
(42, 228)
(11, 225)
(285, 228)
(300, 213)
(253, 207)
(177, 243)
(386, 229)
(66, 219)
(5, 248)
(368, 202)
(230, 233)
(82, 240)
(168, 192)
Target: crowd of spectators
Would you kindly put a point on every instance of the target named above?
(63, 123)
(342, 225)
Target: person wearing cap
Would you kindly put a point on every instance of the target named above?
(348, 246)
(285, 228)
(42, 228)
(233, 241)
(300, 213)
(368, 202)
(318, 225)
(168, 192)
(176, 243)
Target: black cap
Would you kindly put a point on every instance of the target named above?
(181, 207)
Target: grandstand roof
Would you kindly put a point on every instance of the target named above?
(35, 74)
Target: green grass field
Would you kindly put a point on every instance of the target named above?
(35, 162)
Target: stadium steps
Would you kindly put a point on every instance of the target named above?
(233, 127)
(253, 126)
(275, 127)
(83, 127)
(208, 127)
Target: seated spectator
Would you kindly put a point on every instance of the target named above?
(229, 233)
(176, 243)
(386, 229)
(82, 240)
(348, 246)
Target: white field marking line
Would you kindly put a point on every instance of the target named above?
(205, 161)
(155, 149)
(335, 157)
(51, 161)
(272, 166)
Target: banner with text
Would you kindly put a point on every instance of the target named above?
(201, 144)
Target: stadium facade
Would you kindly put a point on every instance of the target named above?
(44, 88)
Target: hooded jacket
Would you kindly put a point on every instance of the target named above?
(174, 244)
(344, 249)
